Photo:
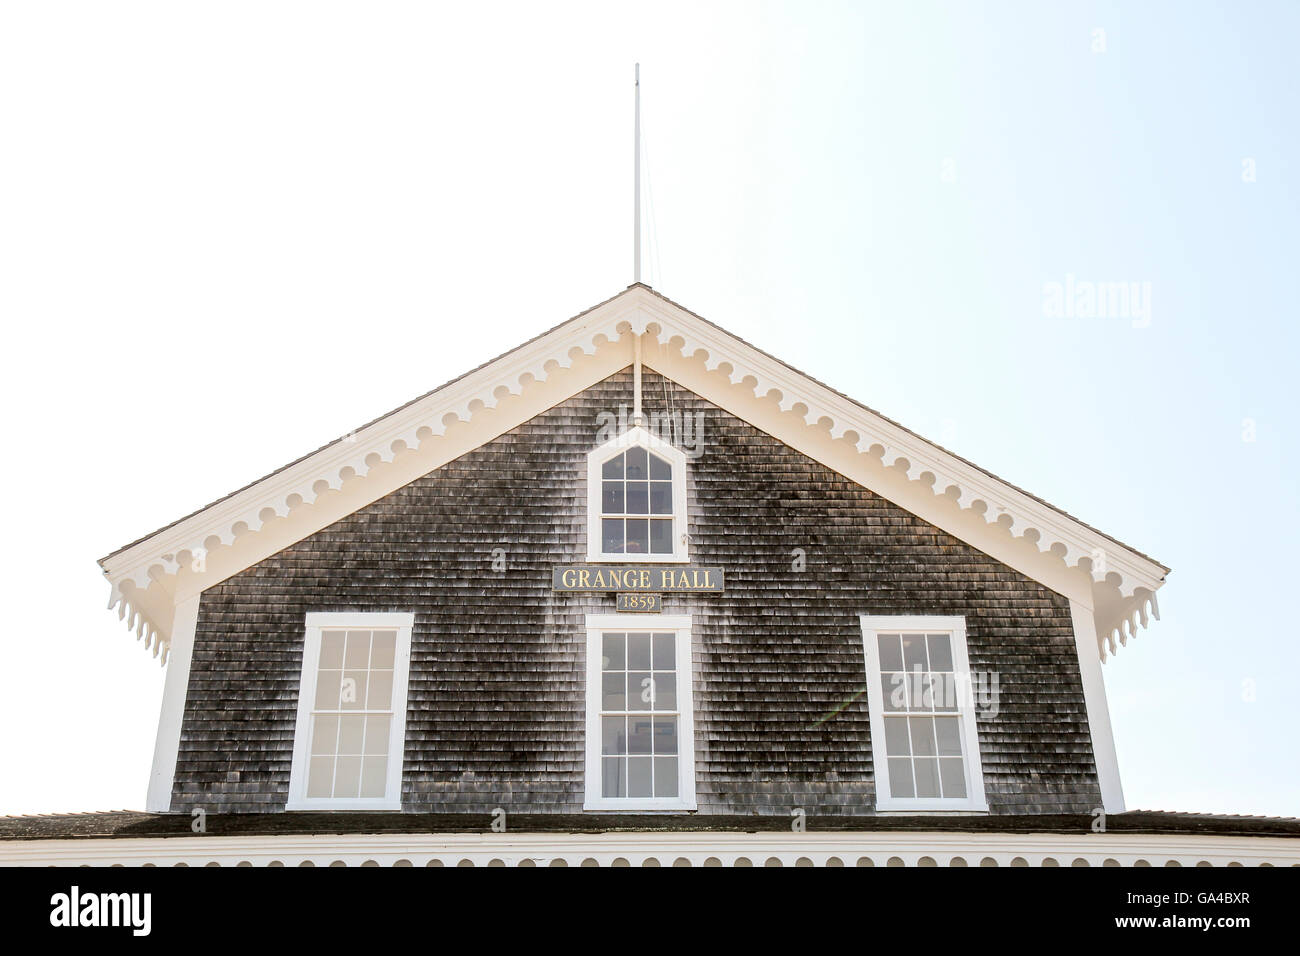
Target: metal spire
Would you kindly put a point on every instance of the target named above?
(636, 215)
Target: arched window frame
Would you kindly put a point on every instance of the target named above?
(634, 437)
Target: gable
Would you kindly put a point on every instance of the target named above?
(497, 654)
(152, 576)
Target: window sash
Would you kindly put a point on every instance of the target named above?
(306, 760)
(677, 550)
(680, 712)
(953, 703)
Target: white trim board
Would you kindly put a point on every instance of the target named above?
(880, 848)
(1098, 710)
(168, 742)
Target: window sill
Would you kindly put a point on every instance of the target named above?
(639, 806)
(348, 805)
(638, 559)
(902, 809)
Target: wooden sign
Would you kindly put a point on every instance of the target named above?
(599, 577)
(640, 602)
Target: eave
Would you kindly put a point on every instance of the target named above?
(151, 575)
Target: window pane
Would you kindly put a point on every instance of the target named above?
(614, 735)
(613, 649)
(374, 774)
(940, 652)
(660, 469)
(665, 691)
(641, 689)
(613, 692)
(661, 536)
(896, 744)
(927, 776)
(946, 696)
(639, 737)
(922, 736)
(665, 776)
(665, 735)
(353, 692)
(613, 468)
(380, 694)
(944, 688)
(914, 651)
(661, 497)
(638, 536)
(953, 776)
(920, 690)
(893, 691)
(638, 652)
(891, 652)
(331, 649)
(611, 501)
(900, 777)
(948, 732)
(636, 464)
(665, 652)
(377, 732)
(325, 737)
(347, 777)
(351, 732)
(638, 497)
(611, 535)
(639, 783)
(383, 647)
(358, 654)
(614, 776)
(327, 690)
(320, 779)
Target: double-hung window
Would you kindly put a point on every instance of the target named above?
(636, 500)
(640, 739)
(923, 734)
(351, 712)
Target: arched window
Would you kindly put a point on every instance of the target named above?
(636, 500)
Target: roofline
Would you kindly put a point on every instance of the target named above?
(936, 445)
(1047, 504)
(126, 824)
(330, 444)
(1124, 580)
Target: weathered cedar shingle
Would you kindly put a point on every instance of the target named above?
(496, 685)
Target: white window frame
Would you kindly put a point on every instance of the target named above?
(637, 436)
(974, 801)
(316, 621)
(679, 624)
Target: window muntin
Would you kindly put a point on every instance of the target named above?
(636, 503)
(924, 737)
(351, 712)
(638, 714)
(640, 751)
(636, 500)
(922, 728)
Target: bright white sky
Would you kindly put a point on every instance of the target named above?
(230, 232)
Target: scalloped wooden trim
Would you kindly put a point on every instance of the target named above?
(639, 311)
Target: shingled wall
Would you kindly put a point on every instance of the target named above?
(497, 674)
